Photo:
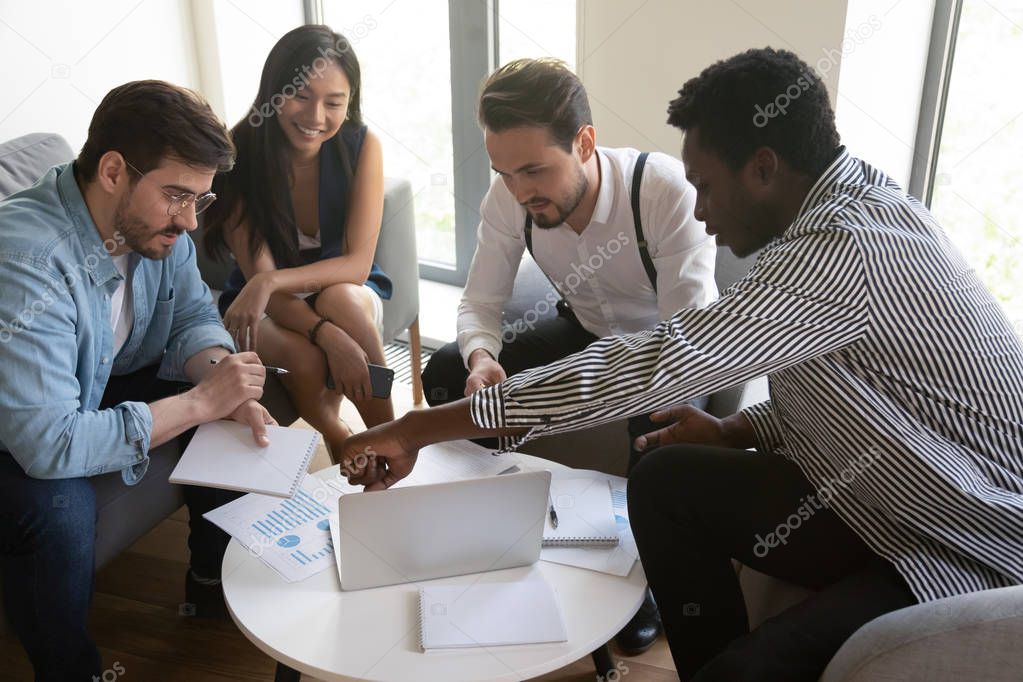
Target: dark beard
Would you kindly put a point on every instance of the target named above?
(565, 207)
(136, 233)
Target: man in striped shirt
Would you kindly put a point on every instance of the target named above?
(889, 461)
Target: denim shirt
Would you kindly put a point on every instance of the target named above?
(56, 341)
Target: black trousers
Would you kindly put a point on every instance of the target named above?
(547, 341)
(695, 508)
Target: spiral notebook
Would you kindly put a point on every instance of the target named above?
(585, 514)
(487, 614)
(223, 454)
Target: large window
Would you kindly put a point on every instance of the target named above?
(976, 192)
(404, 52)
(422, 63)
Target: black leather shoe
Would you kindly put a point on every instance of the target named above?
(642, 631)
(203, 601)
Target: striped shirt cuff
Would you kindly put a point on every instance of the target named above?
(486, 407)
(765, 426)
(487, 411)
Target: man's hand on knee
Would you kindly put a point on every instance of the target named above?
(692, 425)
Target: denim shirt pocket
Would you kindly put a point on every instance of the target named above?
(163, 317)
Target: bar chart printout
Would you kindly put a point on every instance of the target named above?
(291, 536)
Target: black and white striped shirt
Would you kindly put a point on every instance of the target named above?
(896, 380)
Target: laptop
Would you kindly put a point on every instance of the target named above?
(422, 532)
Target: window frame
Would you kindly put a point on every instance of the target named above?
(934, 99)
(473, 44)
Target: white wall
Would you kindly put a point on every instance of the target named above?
(634, 55)
(61, 57)
(244, 32)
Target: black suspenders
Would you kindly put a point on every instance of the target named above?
(637, 223)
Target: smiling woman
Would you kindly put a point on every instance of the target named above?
(301, 214)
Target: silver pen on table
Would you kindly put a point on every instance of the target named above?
(554, 514)
(268, 368)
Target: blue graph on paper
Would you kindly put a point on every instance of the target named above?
(291, 536)
(322, 553)
(291, 514)
(618, 502)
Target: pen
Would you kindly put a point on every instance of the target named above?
(268, 368)
(554, 514)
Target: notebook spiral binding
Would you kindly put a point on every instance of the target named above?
(422, 618)
(606, 541)
(309, 453)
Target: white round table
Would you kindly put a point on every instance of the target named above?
(315, 628)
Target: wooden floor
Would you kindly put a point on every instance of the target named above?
(135, 619)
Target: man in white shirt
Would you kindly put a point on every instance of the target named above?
(612, 229)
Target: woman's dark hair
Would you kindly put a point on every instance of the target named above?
(147, 121)
(760, 98)
(535, 93)
(258, 189)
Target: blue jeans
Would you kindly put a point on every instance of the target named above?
(47, 539)
(47, 549)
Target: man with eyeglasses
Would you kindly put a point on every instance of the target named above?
(103, 320)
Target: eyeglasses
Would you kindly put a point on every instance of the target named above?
(181, 200)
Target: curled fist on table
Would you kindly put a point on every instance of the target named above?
(380, 457)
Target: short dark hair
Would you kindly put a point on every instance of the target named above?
(149, 120)
(760, 98)
(535, 93)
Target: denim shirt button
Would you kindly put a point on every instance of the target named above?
(104, 360)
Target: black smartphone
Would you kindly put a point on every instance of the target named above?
(380, 380)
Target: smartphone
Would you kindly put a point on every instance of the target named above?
(380, 380)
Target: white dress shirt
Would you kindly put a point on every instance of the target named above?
(599, 271)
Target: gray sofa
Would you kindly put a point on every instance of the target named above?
(126, 513)
(971, 638)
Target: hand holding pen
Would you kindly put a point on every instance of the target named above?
(268, 368)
